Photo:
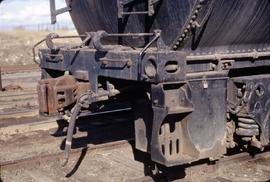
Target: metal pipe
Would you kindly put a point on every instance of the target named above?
(1, 87)
(106, 112)
(130, 34)
(34, 50)
(108, 35)
(70, 36)
(53, 11)
(254, 55)
(135, 13)
(157, 36)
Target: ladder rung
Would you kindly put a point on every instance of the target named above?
(122, 3)
(135, 13)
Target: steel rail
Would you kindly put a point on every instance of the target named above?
(19, 68)
(193, 167)
(59, 154)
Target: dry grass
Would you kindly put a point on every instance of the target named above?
(16, 46)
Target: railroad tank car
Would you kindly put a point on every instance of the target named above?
(194, 72)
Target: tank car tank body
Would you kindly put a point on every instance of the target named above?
(195, 72)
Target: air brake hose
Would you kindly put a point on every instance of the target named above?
(70, 131)
(85, 101)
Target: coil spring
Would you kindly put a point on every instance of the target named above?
(247, 127)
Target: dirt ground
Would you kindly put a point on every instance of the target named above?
(16, 45)
(116, 164)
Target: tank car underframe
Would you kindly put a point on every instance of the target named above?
(186, 108)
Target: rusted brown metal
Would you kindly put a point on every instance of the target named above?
(57, 93)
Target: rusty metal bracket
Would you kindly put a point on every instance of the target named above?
(125, 62)
(58, 93)
(55, 12)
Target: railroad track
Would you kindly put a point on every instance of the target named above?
(19, 100)
(12, 96)
(233, 162)
(18, 104)
(209, 172)
(54, 156)
(19, 68)
(19, 77)
(110, 127)
(20, 81)
(75, 156)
